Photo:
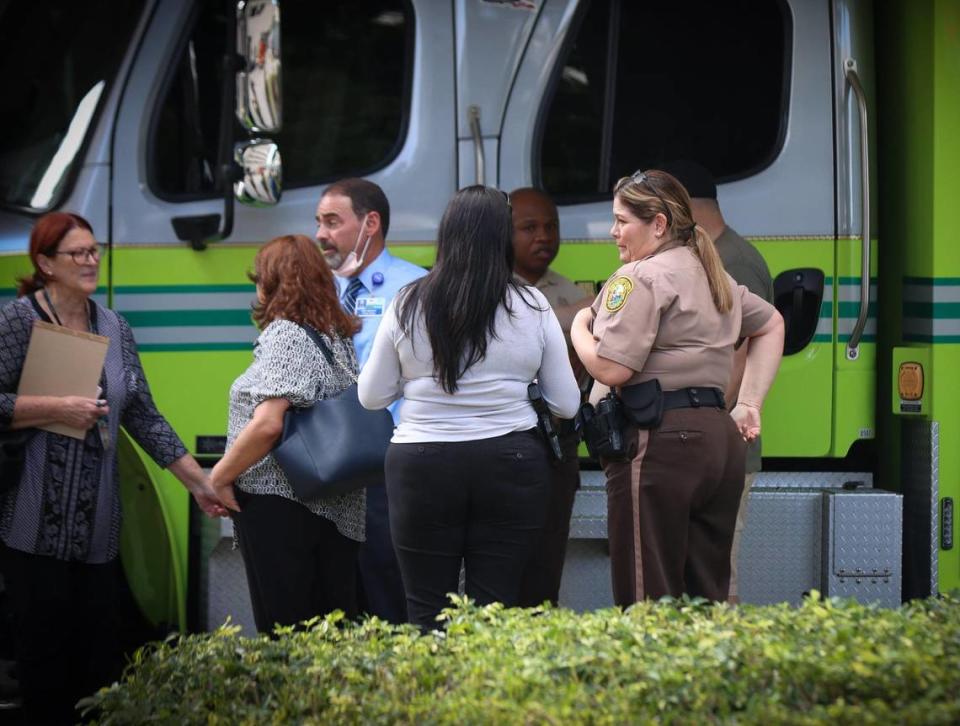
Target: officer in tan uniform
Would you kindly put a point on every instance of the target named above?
(672, 314)
(536, 241)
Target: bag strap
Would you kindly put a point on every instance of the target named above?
(325, 349)
(320, 343)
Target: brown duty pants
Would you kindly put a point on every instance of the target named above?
(672, 509)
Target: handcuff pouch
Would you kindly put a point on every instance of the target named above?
(643, 403)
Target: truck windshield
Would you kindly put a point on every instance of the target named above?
(58, 61)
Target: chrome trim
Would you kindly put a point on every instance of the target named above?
(853, 78)
(473, 113)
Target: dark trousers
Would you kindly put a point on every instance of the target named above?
(65, 628)
(481, 503)
(671, 511)
(298, 565)
(544, 570)
(379, 584)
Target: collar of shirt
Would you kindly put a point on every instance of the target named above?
(666, 247)
(381, 264)
(547, 279)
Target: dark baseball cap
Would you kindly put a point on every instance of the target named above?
(697, 179)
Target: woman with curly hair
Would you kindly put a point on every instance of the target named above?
(300, 556)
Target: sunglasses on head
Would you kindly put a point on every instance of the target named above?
(641, 178)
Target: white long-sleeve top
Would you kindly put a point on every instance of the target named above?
(491, 398)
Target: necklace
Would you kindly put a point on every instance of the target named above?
(53, 310)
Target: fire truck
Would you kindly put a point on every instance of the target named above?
(191, 132)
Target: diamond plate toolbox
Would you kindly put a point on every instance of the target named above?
(780, 548)
(589, 517)
(862, 545)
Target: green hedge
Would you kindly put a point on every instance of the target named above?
(669, 662)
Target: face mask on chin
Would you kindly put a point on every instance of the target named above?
(352, 263)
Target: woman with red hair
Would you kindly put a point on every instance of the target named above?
(300, 557)
(60, 515)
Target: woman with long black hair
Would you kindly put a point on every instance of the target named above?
(467, 473)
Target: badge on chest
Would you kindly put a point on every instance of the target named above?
(370, 307)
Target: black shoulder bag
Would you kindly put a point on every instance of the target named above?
(335, 446)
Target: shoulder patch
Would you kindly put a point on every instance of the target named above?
(617, 292)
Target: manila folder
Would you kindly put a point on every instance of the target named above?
(62, 362)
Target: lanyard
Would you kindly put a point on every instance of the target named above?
(53, 310)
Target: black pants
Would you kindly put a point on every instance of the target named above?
(65, 627)
(379, 585)
(298, 565)
(481, 503)
(544, 570)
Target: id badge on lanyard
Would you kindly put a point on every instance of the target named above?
(103, 424)
(103, 429)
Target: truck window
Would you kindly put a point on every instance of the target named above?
(58, 62)
(346, 77)
(646, 82)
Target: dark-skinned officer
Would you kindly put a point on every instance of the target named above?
(536, 242)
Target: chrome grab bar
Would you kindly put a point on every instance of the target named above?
(473, 113)
(853, 78)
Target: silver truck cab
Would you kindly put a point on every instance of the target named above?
(123, 125)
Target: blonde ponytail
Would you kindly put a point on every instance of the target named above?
(713, 266)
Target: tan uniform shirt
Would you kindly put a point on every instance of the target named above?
(657, 317)
(559, 290)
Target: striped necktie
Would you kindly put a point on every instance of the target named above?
(350, 296)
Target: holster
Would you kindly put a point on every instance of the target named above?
(545, 421)
(643, 403)
(606, 430)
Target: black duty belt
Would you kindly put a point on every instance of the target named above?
(693, 398)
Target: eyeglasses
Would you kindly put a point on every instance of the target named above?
(640, 177)
(84, 254)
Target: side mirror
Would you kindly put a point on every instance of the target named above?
(262, 181)
(259, 102)
(252, 55)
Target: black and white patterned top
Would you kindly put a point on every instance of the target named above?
(67, 503)
(287, 364)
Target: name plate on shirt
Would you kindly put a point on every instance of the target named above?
(370, 307)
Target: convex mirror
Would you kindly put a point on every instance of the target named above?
(259, 103)
(262, 180)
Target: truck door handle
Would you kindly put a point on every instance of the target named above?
(473, 113)
(798, 295)
(853, 78)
